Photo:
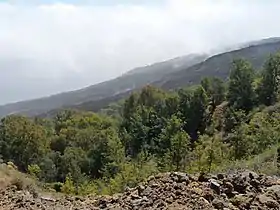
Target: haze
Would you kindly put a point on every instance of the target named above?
(55, 46)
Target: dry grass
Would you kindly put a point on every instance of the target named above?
(10, 176)
(6, 178)
(265, 163)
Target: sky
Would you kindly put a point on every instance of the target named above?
(51, 46)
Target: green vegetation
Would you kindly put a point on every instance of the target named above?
(207, 128)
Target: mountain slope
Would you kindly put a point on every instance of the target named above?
(270, 40)
(218, 65)
(172, 74)
(131, 80)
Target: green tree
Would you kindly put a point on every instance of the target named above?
(193, 107)
(263, 131)
(210, 152)
(101, 153)
(22, 141)
(240, 90)
(180, 146)
(143, 120)
(215, 90)
(238, 141)
(232, 119)
(175, 144)
(171, 105)
(74, 161)
(61, 118)
(270, 80)
(49, 167)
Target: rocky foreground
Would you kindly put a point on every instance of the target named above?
(243, 190)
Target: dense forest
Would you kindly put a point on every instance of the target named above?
(196, 129)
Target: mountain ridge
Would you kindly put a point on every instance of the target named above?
(217, 65)
(109, 88)
(220, 64)
(189, 70)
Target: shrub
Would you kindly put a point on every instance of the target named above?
(34, 170)
(57, 186)
(68, 186)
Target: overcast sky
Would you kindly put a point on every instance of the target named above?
(49, 46)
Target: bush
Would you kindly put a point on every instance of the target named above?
(34, 170)
(68, 187)
(57, 186)
(87, 188)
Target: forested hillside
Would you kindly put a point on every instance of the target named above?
(172, 74)
(216, 66)
(133, 79)
(202, 128)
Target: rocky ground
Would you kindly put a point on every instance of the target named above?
(242, 190)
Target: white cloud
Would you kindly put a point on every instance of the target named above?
(51, 48)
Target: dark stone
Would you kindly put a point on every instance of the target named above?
(255, 183)
(203, 177)
(178, 192)
(140, 189)
(214, 185)
(220, 176)
(155, 185)
(240, 184)
(228, 188)
(253, 175)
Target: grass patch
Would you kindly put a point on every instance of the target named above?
(10, 176)
(264, 163)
